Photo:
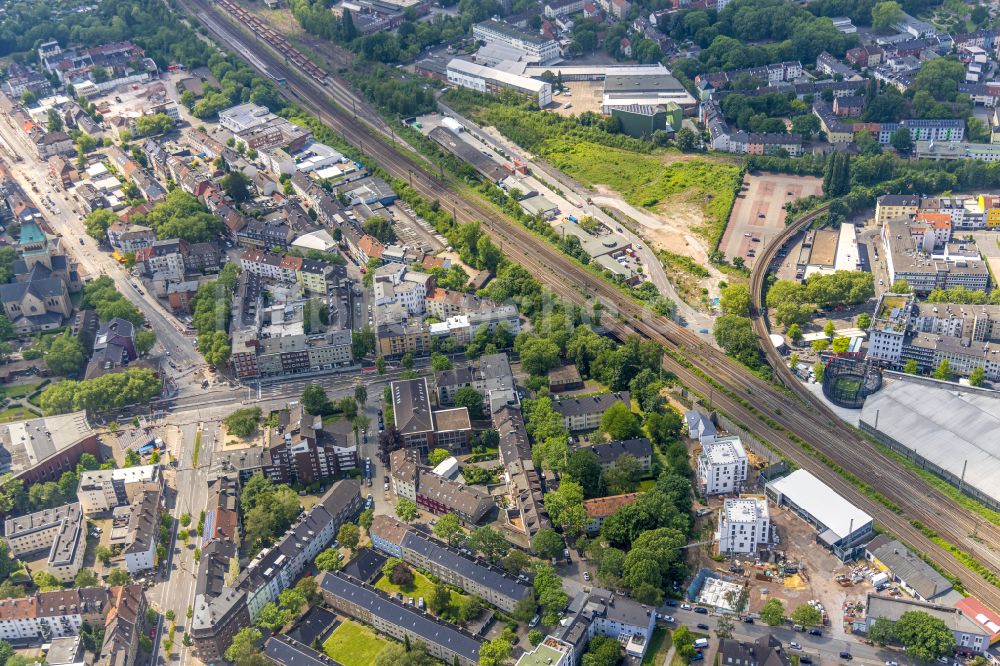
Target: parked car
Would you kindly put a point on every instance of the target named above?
(701, 610)
(685, 606)
(748, 620)
(702, 625)
(846, 656)
(794, 645)
(815, 632)
(586, 575)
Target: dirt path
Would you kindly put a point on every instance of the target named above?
(672, 233)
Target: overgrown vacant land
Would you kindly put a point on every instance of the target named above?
(659, 181)
(687, 193)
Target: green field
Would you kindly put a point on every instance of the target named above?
(353, 644)
(653, 181)
(422, 587)
(659, 646)
(19, 390)
(17, 414)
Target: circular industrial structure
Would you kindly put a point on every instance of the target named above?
(848, 379)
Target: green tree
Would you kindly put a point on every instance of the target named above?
(495, 652)
(349, 535)
(602, 651)
(153, 124)
(807, 616)
(66, 355)
(244, 650)
(449, 528)
(440, 362)
(684, 642)
(881, 631)
(977, 377)
(144, 341)
(516, 561)
(472, 400)
(547, 543)
(619, 422)
(366, 518)
(86, 578)
(911, 367)
(886, 14)
(438, 456)
(329, 560)
(795, 333)
(406, 510)
(535, 636)
(623, 476)
(97, 222)
(902, 141)
(236, 185)
(686, 139)
(724, 627)
(538, 355)
(315, 401)
(490, 542)
(584, 468)
(773, 612)
(943, 371)
(440, 598)
(735, 300)
(55, 123)
(924, 636)
(243, 422)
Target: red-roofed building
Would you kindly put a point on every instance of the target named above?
(976, 611)
(599, 508)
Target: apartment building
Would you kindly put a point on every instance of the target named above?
(722, 466)
(403, 622)
(895, 207)
(433, 493)
(967, 336)
(48, 615)
(490, 376)
(910, 255)
(604, 613)
(124, 626)
(60, 532)
(275, 569)
(444, 303)
(525, 511)
(142, 530)
(448, 564)
(608, 453)
(744, 525)
(394, 283)
(585, 413)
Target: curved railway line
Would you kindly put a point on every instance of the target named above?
(799, 414)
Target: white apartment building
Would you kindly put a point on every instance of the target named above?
(35, 532)
(722, 466)
(48, 615)
(395, 284)
(744, 525)
(104, 489)
(142, 532)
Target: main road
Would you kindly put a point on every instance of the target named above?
(769, 411)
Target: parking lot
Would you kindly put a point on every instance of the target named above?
(759, 214)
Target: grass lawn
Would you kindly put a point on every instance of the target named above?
(659, 646)
(422, 587)
(648, 181)
(352, 644)
(17, 414)
(646, 485)
(19, 390)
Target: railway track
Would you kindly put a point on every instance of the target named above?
(801, 415)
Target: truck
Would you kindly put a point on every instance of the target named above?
(452, 124)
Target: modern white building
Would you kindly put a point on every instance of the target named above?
(539, 49)
(744, 525)
(494, 81)
(841, 526)
(722, 466)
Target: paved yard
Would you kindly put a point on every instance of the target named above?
(759, 213)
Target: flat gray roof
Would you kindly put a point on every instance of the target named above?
(961, 428)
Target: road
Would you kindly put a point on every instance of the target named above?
(68, 222)
(785, 423)
(822, 648)
(190, 496)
